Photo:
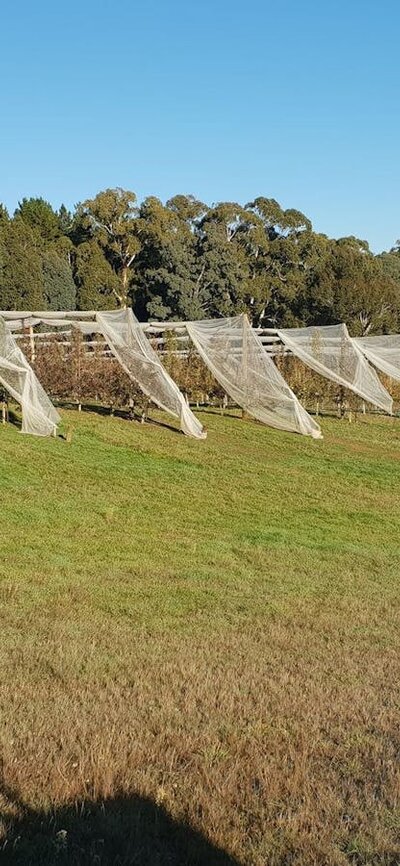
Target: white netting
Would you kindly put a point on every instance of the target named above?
(383, 352)
(39, 416)
(237, 359)
(142, 364)
(330, 351)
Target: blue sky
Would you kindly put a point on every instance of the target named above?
(298, 101)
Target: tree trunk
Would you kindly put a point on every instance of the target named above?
(125, 285)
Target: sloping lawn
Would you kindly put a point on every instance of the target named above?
(200, 644)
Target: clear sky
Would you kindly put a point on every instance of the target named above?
(297, 101)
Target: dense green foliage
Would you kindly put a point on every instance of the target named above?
(184, 259)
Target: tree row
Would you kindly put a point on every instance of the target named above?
(186, 260)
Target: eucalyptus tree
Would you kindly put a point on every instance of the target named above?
(347, 283)
(364, 296)
(278, 247)
(223, 270)
(168, 272)
(111, 219)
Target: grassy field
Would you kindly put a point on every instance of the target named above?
(199, 655)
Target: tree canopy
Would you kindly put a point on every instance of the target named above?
(184, 259)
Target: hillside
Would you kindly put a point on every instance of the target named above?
(212, 626)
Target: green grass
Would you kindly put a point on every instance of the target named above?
(213, 625)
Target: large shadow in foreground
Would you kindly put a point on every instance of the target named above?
(115, 832)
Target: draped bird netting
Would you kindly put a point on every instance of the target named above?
(129, 345)
(237, 359)
(331, 352)
(383, 352)
(140, 361)
(39, 416)
(231, 349)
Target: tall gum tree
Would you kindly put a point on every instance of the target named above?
(222, 262)
(168, 269)
(111, 218)
(276, 253)
(364, 295)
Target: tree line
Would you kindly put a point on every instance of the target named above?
(187, 260)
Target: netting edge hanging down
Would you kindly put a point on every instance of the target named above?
(238, 361)
(245, 369)
(39, 416)
(381, 351)
(365, 382)
(135, 354)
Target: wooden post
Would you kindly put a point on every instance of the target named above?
(341, 402)
(145, 411)
(32, 343)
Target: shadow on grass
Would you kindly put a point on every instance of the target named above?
(97, 409)
(14, 419)
(126, 829)
(116, 412)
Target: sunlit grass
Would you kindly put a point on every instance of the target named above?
(228, 609)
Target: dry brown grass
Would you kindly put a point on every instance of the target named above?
(281, 743)
(264, 713)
